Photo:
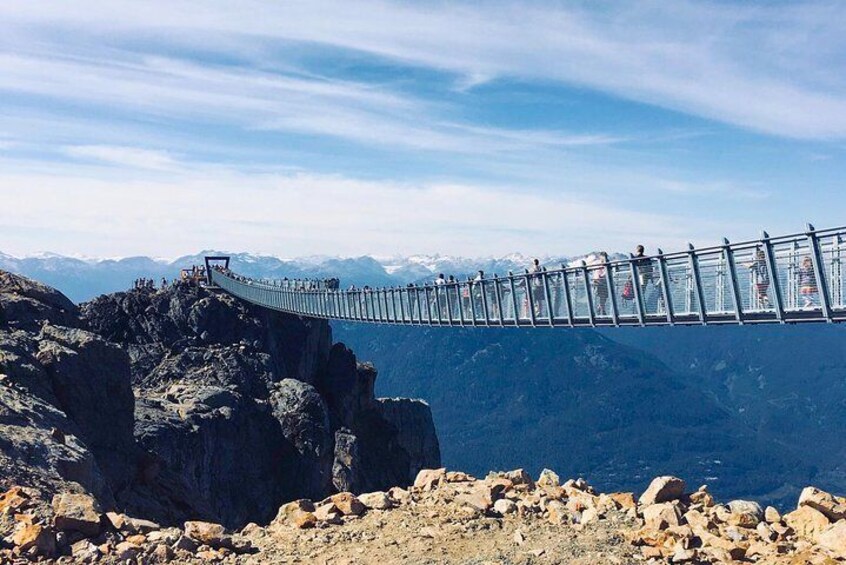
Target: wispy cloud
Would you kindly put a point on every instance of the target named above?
(296, 213)
(764, 67)
(258, 100)
(414, 127)
(125, 156)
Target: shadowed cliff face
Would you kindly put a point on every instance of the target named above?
(235, 409)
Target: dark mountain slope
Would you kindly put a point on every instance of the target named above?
(575, 401)
(788, 383)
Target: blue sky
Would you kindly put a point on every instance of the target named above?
(376, 127)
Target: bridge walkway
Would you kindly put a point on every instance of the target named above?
(786, 279)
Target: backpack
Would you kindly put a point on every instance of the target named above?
(628, 290)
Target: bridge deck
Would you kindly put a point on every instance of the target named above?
(786, 279)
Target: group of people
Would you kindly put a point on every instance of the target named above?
(759, 273)
(806, 280)
(481, 297)
(148, 284)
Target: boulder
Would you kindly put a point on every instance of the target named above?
(347, 504)
(76, 512)
(126, 551)
(807, 522)
(328, 513)
(771, 515)
(558, 513)
(548, 478)
(745, 513)
(702, 497)
(519, 477)
(399, 495)
(208, 533)
(289, 509)
(129, 525)
(84, 551)
(833, 539)
(458, 477)
(765, 532)
(662, 515)
(428, 479)
(14, 500)
(376, 500)
(662, 489)
(624, 500)
(304, 520)
(503, 506)
(589, 515)
(479, 499)
(834, 508)
(37, 538)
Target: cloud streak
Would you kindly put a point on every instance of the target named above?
(766, 68)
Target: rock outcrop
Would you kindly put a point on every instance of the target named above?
(183, 404)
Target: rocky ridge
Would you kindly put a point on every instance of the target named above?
(452, 517)
(183, 404)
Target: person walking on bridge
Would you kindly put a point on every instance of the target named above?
(536, 287)
(600, 283)
(440, 296)
(808, 283)
(760, 277)
(645, 272)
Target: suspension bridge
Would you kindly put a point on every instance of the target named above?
(785, 279)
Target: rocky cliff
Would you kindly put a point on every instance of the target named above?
(182, 404)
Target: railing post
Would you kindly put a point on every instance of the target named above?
(419, 305)
(665, 288)
(514, 298)
(470, 288)
(636, 288)
(448, 303)
(728, 253)
(530, 299)
(819, 272)
(484, 295)
(568, 300)
(548, 296)
(428, 300)
(609, 279)
(498, 295)
(697, 283)
(586, 277)
(772, 267)
(460, 303)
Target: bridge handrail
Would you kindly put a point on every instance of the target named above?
(714, 290)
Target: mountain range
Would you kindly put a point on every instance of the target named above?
(755, 410)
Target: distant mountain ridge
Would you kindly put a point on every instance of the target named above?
(84, 278)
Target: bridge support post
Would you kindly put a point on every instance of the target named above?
(775, 282)
(819, 272)
(665, 288)
(568, 298)
(589, 292)
(728, 253)
(641, 314)
(697, 283)
(530, 300)
(548, 295)
(612, 293)
(484, 296)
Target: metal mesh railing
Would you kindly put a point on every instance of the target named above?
(793, 278)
